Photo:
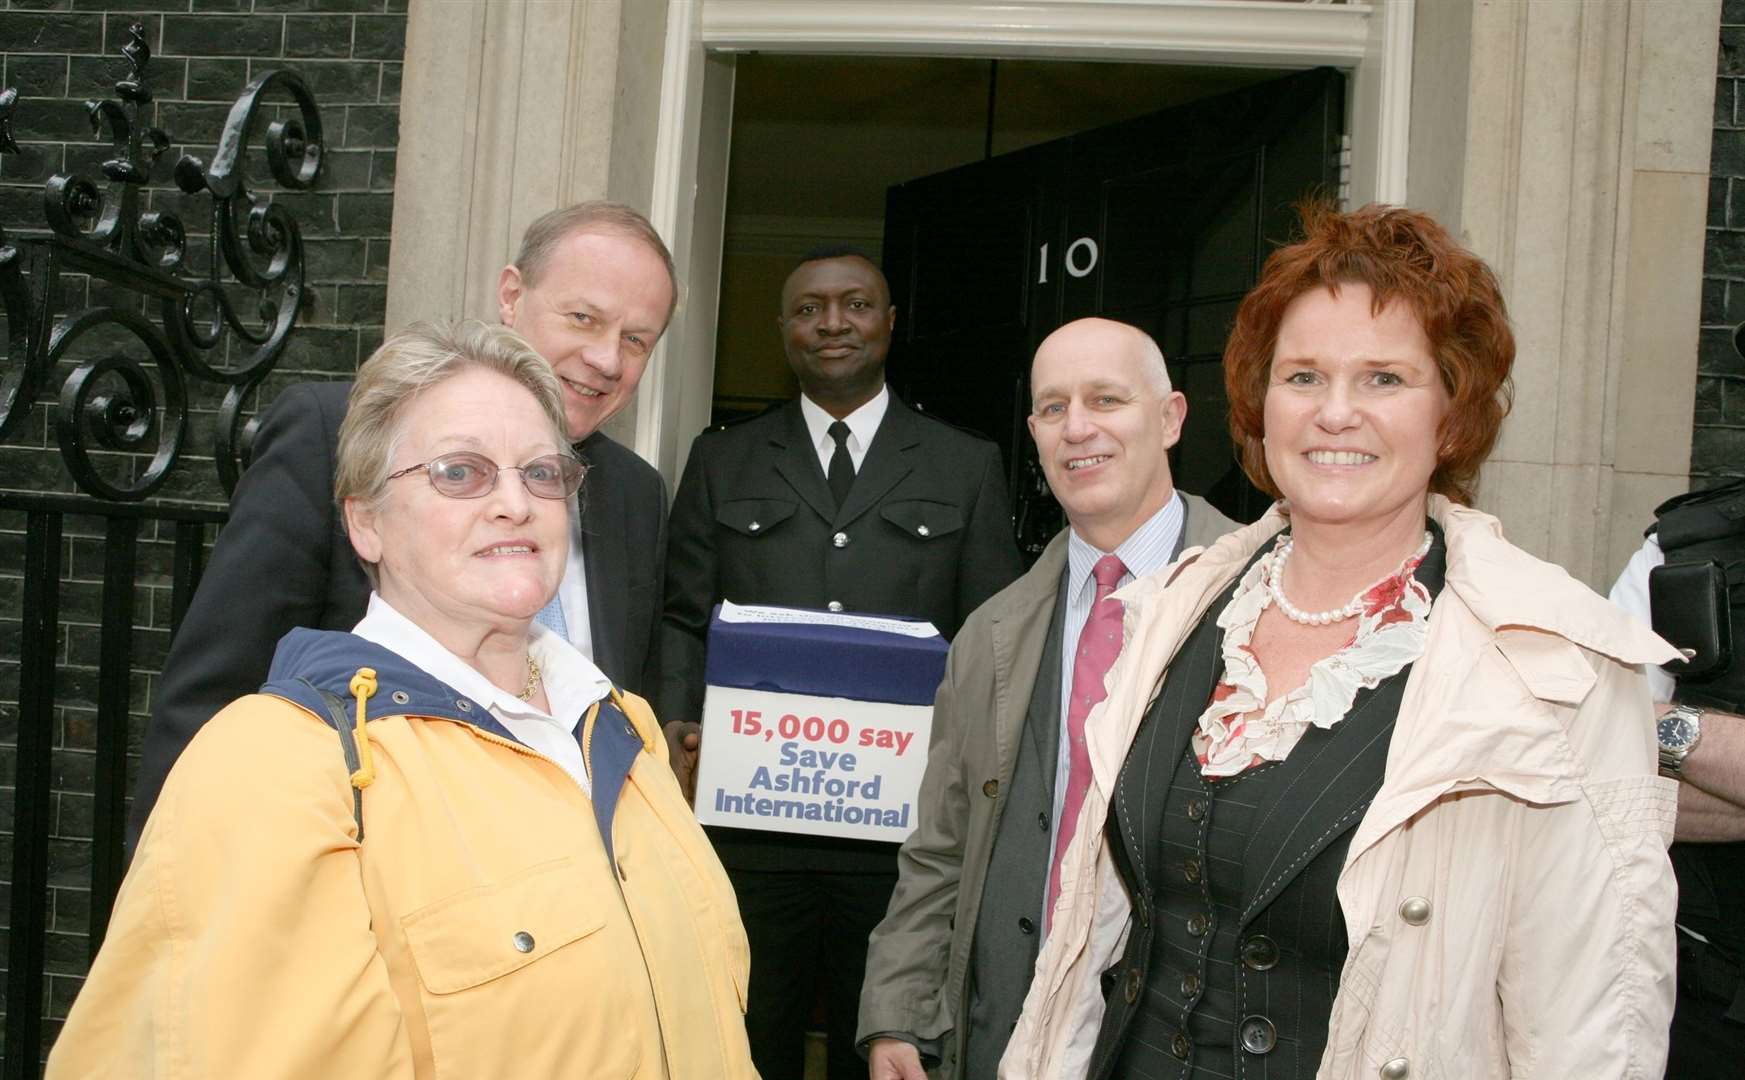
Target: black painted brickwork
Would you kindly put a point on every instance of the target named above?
(58, 53)
(1718, 443)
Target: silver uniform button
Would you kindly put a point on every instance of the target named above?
(1397, 1069)
(835, 605)
(840, 539)
(753, 527)
(523, 941)
(922, 530)
(1415, 910)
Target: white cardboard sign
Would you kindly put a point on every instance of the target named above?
(824, 766)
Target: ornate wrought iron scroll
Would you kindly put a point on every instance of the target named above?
(242, 298)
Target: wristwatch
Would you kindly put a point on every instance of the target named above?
(1680, 729)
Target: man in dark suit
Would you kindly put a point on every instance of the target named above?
(950, 964)
(845, 500)
(591, 290)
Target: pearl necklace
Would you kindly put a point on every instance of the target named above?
(1275, 585)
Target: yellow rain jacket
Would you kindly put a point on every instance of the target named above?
(493, 921)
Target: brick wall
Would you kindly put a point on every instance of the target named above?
(57, 54)
(1718, 444)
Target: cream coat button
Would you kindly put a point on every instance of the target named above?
(835, 605)
(840, 539)
(1415, 910)
(1397, 1069)
(922, 530)
(523, 941)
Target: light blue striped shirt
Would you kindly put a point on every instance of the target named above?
(1146, 551)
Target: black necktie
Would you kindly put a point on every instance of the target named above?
(841, 474)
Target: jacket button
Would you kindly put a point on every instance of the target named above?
(523, 941)
(1258, 1035)
(1179, 1046)
(1397, 1069)
(1025, 926)
(1196, 810)
(1198, 925)
(991, 789)
(754, 526)
(840, 540)
(1190, 985)
(922, 530)
(1415, 910)
(1135, 981)
(1042, 821)
(834, 605)
(1191, 870)
(1259, 953)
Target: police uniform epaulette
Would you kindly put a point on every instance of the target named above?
(735, 421)
(937, 419)
(1725, 499)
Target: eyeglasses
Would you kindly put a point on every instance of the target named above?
(466, 475)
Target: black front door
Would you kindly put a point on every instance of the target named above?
(1162, 221)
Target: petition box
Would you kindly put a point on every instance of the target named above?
(815, 722)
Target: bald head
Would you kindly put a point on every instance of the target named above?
(1106, 338)
(1104, 417)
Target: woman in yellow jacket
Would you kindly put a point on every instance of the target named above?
(442, 845)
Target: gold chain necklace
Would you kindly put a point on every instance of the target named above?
(532, 686)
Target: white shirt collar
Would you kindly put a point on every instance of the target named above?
(863, 423)
(1146, 550)
(572, 682)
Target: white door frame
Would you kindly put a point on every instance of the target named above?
(1372, 41)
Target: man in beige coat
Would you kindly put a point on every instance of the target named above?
(949, 965)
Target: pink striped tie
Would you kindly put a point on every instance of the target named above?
(1099, 644)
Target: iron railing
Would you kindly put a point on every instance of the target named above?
(223, 316)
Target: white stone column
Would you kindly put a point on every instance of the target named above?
(1584, 183)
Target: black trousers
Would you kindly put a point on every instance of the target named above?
(1705, 1044)
(808, 930)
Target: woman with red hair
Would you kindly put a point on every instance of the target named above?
(1375, 790)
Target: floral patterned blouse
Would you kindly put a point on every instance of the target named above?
(1391, 631)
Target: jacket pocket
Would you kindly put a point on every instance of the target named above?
(753, 517)
(923, 518)
(494, 959)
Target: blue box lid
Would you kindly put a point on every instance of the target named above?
(825, 660)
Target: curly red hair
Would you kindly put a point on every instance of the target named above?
(1401, 255)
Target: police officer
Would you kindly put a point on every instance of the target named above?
(844, 499)
(1689, 580)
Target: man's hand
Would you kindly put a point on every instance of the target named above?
(684, 741)
(894, 1059)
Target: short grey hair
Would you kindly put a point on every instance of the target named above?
(415, 359)
(595, 216)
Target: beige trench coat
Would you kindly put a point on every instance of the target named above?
(1520, 800)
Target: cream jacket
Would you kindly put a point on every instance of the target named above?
(1520, 800)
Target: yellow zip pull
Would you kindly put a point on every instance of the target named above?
(363, 687)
